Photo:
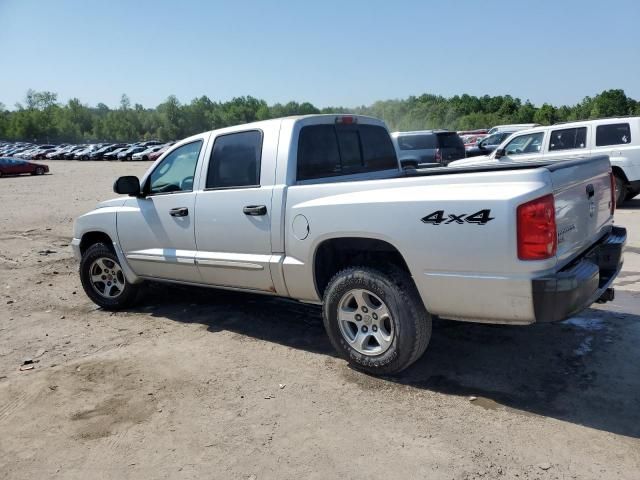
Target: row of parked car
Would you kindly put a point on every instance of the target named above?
(148, 150)
(440, 147)
(618, 138)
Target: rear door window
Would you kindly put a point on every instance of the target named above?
(568, 138)
(613, 134)
(330, 150)
(418, 142)
(235, 160)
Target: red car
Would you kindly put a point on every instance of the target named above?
(154, 155)
(14, 166)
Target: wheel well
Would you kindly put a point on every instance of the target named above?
(618, 172)
(91, 238)
(339, 253)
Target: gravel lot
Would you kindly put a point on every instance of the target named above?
(211, 384)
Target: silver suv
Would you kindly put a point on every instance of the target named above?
(428, 147)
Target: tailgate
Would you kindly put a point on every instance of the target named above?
(582, 192)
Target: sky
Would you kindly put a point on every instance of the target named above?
(329, 53)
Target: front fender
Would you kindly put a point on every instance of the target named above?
(103, 221)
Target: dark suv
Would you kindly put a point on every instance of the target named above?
(428, 148)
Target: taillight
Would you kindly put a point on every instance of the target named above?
(347, 120)
(438, 156)
(613, 192)
(537, 235)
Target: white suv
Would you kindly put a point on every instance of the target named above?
(619, 138)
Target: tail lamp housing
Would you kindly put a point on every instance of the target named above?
(537, 233)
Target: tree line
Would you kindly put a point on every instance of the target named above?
(41, 118)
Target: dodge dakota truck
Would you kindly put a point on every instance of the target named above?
(317, 208)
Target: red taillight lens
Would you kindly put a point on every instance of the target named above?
(613, 192)
(346, 120)
(537, 235)
(438, 156)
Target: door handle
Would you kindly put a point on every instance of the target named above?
(179, 212)
(255, 210)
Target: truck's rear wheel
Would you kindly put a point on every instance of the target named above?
(376, 321)
(632, 193)
(103, 279)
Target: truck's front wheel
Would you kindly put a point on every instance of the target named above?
(376, 321)
(103, 279)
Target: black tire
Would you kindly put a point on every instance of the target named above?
(128, 294)
(411, 321)
(632, 193)
(621, 190)
(39, 171)
(145, 159)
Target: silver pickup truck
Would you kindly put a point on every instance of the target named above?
(317, 208)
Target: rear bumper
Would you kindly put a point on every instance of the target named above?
(581, 283)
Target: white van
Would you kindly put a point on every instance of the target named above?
(619, 138)
(512, 128)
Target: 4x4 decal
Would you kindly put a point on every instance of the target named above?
(481, 217)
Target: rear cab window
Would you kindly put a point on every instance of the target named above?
(332, 150)
(613, 134)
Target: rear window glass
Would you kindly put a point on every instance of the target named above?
(450, 140)
(568, 138)
(330, 150)
(614, 134)
(417, 142)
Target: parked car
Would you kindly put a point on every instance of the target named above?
(144, 154)
(70, 152)
(471, 140)
(155, 155)
(84, 153)
(150, 143)
(41, 151)
(479, 131)
(428, 147)
(619, 138)
(15, 166)
(487, 144)
(99, 153)
(336, 221)
(127, 153)
(113, 154)
(512, 128)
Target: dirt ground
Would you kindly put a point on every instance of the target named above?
(210, 384)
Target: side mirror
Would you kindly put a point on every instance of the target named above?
(500, 153)
(128, 185)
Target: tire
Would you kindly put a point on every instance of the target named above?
(621, 190)
(39, 171)
(101, 261)
(407, 327)
(145, 159)
(632, 193)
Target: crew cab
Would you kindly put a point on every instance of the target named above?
(317, 208)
